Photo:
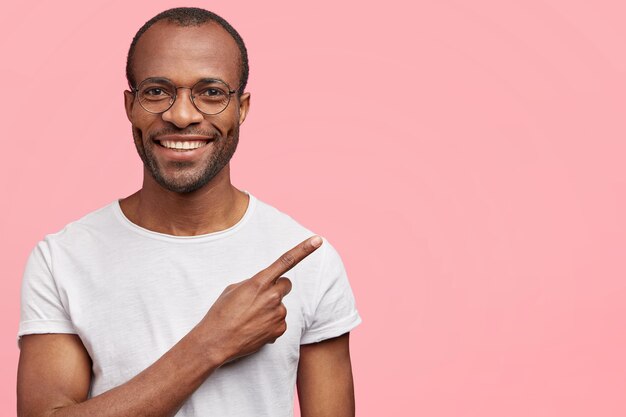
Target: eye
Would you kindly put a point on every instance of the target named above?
(213, 92)
(155, 91)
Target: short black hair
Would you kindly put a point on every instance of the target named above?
(190, 16)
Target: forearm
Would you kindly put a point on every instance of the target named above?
(159, 390)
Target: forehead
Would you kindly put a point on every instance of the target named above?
(185, 54)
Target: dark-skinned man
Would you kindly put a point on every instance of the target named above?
(173, 301)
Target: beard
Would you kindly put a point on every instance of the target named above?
(187, 179)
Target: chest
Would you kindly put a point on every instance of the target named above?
(129, 310)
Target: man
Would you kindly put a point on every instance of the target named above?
(173, 300)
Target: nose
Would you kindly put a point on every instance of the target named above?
(183, 112)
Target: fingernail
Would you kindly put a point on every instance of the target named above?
(316, 241)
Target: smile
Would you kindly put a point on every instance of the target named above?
(182, 145)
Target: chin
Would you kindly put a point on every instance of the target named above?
(187, 183)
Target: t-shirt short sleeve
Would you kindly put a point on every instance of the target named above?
(335, 312)
(41, 308)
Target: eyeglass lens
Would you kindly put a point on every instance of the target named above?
(209, 96)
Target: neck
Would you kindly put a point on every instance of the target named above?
(216, 206)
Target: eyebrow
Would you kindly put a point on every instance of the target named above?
(155, 80)
(211, 80)
(167, 80)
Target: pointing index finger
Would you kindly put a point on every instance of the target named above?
(290, 259)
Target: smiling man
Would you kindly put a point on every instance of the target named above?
(173, 301)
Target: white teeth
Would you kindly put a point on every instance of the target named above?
(195, 144)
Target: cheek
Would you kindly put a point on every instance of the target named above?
(137, 134)
(143, 124)
(227, 121)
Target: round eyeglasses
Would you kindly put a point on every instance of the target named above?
(209, 96)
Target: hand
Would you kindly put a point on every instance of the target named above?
(250, 313)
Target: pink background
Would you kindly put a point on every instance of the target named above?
(466, 158)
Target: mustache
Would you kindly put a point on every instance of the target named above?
(212, 133)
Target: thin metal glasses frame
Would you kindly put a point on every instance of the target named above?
(191, 96)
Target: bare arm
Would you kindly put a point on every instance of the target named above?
(325, 386)
(54, 372)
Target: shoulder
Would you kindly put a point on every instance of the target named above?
(281, 227)
(278, 226)
(282, 232)
(89, 227)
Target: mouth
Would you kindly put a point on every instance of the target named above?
(182, 146)
(182, 143)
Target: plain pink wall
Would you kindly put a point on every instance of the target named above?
(466, 158)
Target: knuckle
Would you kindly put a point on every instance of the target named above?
(287, 259)
(284, 285)
(275, 297)
(282, 311)
(228, 288)
(255, 283)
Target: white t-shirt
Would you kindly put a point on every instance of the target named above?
(131, 294)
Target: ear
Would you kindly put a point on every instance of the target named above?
(244, 106)
(129, 102)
